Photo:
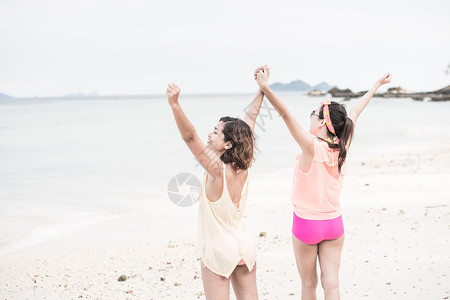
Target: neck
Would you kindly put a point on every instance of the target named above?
(215, 151)
(324, 135)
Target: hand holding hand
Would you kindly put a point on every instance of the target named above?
(385, 79)
(261, 68)
(173, 91)
(262, 76)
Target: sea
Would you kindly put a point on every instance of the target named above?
(67, 164)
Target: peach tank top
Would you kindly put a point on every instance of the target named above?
(315, 193)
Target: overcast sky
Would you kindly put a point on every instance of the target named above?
(51, 48)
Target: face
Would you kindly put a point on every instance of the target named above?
(216, 139)
(315, 122)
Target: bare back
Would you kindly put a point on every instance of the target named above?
(235, 184)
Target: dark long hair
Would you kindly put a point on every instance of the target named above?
(241, 137)
(343, 126)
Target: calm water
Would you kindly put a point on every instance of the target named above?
(67, 164)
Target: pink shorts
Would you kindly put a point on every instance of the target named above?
(315, 231)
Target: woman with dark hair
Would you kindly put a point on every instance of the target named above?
(317, 229)
(226, 250)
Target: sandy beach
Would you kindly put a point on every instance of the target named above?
(396, 215)
(91, 156)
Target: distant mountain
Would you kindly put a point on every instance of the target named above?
(323, 86)
(3, 96)
(299, 85)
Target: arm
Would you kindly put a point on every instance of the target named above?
(362, 103)
(301, 136)
(253, 110)
(207, 159)
(255, 106)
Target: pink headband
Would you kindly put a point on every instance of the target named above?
(326, 116)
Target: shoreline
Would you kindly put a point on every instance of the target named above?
(396, 215)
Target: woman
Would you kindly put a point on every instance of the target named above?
(318, 231)
(226, 250)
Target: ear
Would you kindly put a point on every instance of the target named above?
(228, 145)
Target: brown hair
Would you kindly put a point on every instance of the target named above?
(343, 126)
(241, 137)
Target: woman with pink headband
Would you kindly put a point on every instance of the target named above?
(317, 228)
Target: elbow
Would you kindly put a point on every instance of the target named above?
(286, 116)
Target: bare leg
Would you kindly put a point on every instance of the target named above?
(329, 260)
(306, 257)
(216, 287)
(244, 283)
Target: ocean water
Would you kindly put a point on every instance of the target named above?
(69, 164)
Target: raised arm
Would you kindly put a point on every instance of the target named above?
(208, 159)
(362, 103)
(253, 110)
(301, 136)
(255, 106)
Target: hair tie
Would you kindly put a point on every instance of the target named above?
(326, 116)
(236, 167)
(334, 141)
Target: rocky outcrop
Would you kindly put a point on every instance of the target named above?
(316, 93)
(445, 91)
(439, 95)
(396, 92)
(346, 94)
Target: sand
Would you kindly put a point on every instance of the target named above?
(396, 212)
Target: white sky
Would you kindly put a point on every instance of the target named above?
(51, 48)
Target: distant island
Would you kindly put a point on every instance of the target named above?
(81, 95)
(299, 85)
(3, 96)
(324, 88)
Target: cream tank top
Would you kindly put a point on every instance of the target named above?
(222, 240)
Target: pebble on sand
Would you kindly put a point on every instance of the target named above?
(122, 278)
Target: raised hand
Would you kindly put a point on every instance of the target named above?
(262, 77)
(385, 79)
(261, 68)
(173, 91)
(359, 106)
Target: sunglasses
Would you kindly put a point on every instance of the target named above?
(313, 113)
